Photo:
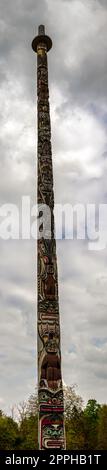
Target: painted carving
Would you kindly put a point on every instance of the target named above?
(49, 333)
(50, 391)
(52, 432)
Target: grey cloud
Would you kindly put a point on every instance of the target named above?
(77, 77)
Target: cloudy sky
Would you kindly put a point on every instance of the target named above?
(78, 96)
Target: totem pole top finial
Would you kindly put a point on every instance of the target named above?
(41, 38)
(41, 30)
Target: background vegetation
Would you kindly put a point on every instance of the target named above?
(86, 427)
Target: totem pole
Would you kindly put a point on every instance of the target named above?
(51, 431)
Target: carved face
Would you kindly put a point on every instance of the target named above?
(52, 433)
(49, 401)
(51, 397)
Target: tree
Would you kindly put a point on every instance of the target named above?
(71, 400)
(75, 430)
(28, 419)
(91, 419)
(102, 428)
(29, 433)
(32, 404)
(9, 433)
(73, 418)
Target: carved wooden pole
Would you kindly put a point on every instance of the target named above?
(50, 391)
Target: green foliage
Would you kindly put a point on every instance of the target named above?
(29, 433)
(9, 433)
(91, 419)
(75, 430)
(102, 428)
(92, 410)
